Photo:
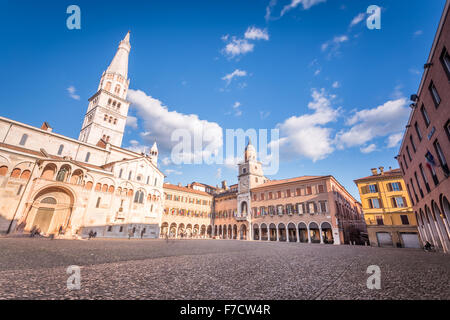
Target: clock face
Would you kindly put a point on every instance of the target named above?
(244, 183)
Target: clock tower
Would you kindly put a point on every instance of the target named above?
(250, 176)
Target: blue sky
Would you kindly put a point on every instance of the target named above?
(336, 90)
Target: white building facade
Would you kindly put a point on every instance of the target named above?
(70, 187)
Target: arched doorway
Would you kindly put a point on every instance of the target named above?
(255, 232)
(314, 232)
(327, 233)
(224, 232)
(203, 232)
(292, 232)
(230, 232)
(209, 231)
(164, 229)
(189, 231)
(264, 233)
(220, 232)
(243, 232)
(235, 232)
(281, 232)
(273, 232)
(181, 231)
(173, 230)
(440, 226)
(195, 231)
(432, 225)
(303, 232)
(51, 209)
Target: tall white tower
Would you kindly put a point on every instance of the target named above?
(106, 115)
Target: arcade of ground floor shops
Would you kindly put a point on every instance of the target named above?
(302, 232)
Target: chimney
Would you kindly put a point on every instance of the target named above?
(374, 171)
(45, 126)
(224, 185)
(381, 170)
(179, 184)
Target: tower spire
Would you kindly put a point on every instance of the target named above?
(119, 63)
(108, 108)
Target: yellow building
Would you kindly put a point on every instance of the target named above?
(388, 210)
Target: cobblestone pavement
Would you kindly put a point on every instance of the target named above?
(215, 269)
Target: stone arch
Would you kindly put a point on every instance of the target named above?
(314, 233)
(16, 173)
(292, 232)
(209, 231)
(442, 231)
(64, 173)
(235, 231)
(256, 233)
(303, 232)
(327, 232)
(243, 232)
(3, 171)
(173, 230)
(272, 232)
(244, 208)
(25, 175)
(181, 230)
(264, 232)
(51, 209)
(77, 177)
(164, 229)
(432, 227)
(281, 232)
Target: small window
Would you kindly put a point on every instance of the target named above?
(404, 218)
(447, 129)
(373, 188)
(412, 143)
(380, 221)
(441, 157)
(98, 202)
(426, 119)
(120, 173)
(109, 228)
(23, 140)
(445, 60)
(419, 134)
(434, 95)
(129, 175)
(409, 154)
(60, 150)
(88, 155)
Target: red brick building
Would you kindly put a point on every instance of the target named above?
(425, 150)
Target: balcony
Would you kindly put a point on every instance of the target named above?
(241, 217)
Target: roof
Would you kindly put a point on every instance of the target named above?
(387, 174)
(283, 181)
(185, 189)
(49, 156)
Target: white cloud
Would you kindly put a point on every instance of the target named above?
(370, 148)
(254, 33)
(71, 90)
(418, 33)
(172, 171)
(238, 47)
(306, 5)
(369, 124)
(394, 140)
(237, 104)
(236, 73)
(159, 124)
(132, 122)
(316, 73)
(336, 84)
(269, 7)
(357, 19)
(306, 135)
(335, 43)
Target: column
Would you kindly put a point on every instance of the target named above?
(287, 234)
(278, 236)
(309, 236)
(320, 234)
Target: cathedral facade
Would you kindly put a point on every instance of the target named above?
(59, 186)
